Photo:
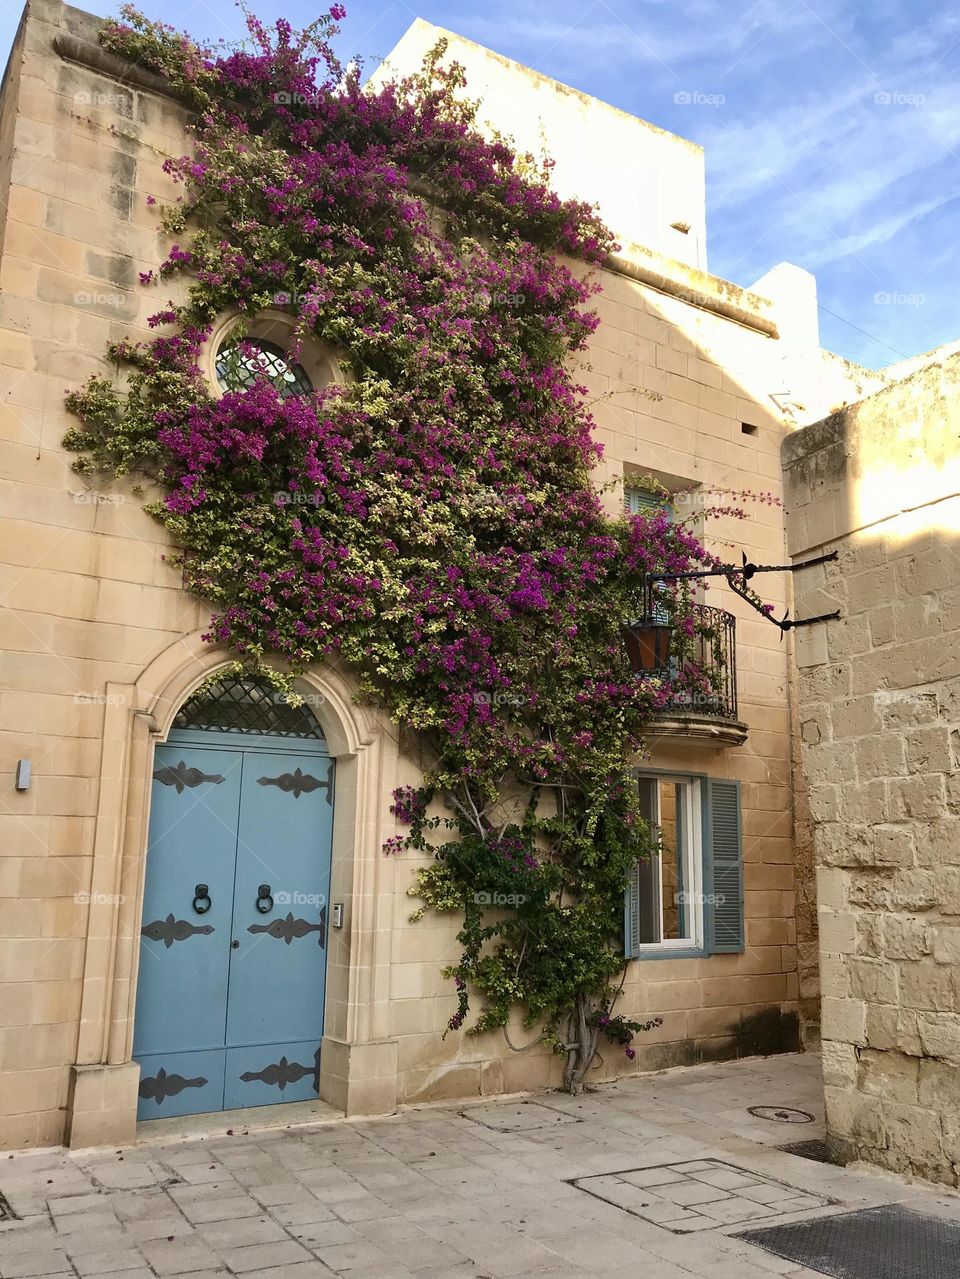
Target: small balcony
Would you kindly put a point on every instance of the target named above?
(706, 716)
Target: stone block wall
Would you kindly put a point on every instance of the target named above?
(879, 713)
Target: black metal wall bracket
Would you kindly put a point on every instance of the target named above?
(744, 574)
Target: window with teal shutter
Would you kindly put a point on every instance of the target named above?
(687, 900)
(724, 903)
(664, 898)
(643, 502)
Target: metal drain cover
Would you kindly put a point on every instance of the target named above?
(781, 1114)
(877, 1243)
(813, 1149)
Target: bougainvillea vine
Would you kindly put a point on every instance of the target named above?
(430, 520)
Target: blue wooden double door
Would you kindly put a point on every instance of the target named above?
(233, 941)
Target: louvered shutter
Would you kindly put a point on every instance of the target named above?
(724, 909)
(631, 924)
(643, 502)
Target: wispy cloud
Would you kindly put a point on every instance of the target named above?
(842, 173)
(887, 228)
(618, 34)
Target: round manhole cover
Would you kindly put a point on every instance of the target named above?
(781, 1114)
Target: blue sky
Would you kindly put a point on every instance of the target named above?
(831, 128)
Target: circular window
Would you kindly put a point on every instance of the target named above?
(240, 363)
(242, 348)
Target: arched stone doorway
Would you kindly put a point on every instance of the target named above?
(235, 923)
(359, 1056)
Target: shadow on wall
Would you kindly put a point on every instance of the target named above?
(880, 721)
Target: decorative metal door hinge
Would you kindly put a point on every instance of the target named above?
(171, 929)
(162, 1085)
(185, 776)
(300, 783)
(283, 1072)
(288, 928)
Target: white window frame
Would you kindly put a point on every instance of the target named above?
(693, 855)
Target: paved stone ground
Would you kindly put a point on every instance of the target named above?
(654, 1174)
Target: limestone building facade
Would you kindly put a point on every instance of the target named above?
(695, 380)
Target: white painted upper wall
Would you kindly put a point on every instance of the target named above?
(642, 178)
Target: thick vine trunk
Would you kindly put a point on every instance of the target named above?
(581, 1046)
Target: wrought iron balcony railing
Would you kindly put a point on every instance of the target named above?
(712, 649)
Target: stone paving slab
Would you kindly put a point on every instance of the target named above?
(667, 1168)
